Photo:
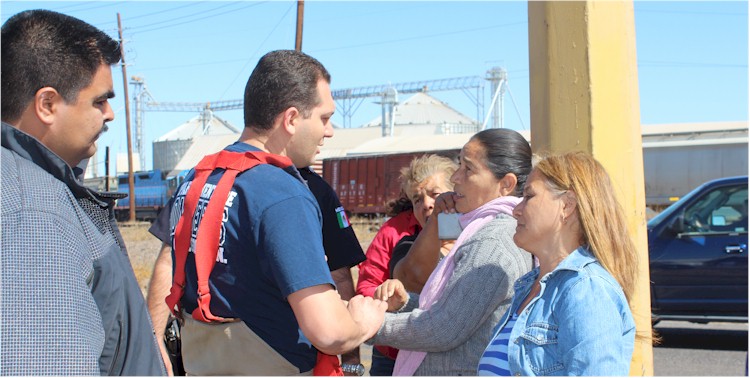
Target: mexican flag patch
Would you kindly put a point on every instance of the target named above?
(341, 216)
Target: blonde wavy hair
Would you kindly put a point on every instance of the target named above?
(600, 214)
(425, 166)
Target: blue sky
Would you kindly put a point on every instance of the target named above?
(692, 56)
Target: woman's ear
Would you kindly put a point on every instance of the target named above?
(570, 200)
(508, 184)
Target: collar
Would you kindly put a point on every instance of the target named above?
(239, 146)
(576, 261)
(31, 149)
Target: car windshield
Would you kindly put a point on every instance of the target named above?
(669, 210)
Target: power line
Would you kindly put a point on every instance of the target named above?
(422, 37)
(205, 17)
(194, 65)
(191, 4)
(199, 13)
(702, 13)
(73, 12)
(655, 63)
(255, 53)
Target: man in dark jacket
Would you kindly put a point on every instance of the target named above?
(69, 301)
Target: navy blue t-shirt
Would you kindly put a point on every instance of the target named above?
(271, 246)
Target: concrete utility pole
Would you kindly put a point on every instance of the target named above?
(300, 21)
(584, 97)
(131, 180)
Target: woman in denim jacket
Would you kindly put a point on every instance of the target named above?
(570, 315)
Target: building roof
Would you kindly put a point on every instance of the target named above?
(422, 109)
(195, 127)
(203, 145)
(694, 134)
(424, 123)
(406, 143)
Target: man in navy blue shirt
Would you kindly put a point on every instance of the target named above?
(271, 272)
(342, 249)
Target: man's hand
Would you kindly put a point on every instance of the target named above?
(329, 325)
(369, 313)
(393, 292)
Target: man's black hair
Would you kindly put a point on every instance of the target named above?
(41, 48)
(282, 79)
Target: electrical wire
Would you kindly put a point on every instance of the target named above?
(255, 53)
(655, 63)
(422, 37)
(205, 17)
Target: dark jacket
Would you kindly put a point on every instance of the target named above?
(70, 302)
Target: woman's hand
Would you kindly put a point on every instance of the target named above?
(445, 203)
(393, 292)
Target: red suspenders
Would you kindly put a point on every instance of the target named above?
(207, 237)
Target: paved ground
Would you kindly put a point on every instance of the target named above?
(713, 349)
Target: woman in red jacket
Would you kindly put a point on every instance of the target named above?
(422, 181)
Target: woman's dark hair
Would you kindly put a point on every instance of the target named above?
(506, 151)
(397, 206)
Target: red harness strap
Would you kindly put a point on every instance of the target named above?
(208, 232)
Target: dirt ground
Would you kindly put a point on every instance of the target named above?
(142, 250)
(144, 247)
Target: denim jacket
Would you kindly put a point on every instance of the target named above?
(579, 324)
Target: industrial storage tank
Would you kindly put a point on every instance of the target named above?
(170, 148)
(167, 153)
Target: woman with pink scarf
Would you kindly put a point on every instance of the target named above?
(444, 330)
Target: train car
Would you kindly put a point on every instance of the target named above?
(676, 159)
(152, 193)
(672, 169)
(101, 183)
(366, 183)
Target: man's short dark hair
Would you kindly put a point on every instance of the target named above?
(282, 79)
(41, 48)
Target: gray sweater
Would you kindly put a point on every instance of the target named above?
(456, 329)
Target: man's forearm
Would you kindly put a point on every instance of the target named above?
(158, 289)
(342, 277)
(345, 286)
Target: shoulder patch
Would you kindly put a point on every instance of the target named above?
(342, 218)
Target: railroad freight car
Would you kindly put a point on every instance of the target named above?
(366, 183)
(674, 169)
(675, 162)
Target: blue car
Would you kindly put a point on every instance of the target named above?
(698, 255)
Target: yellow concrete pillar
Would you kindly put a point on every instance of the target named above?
(584, 96)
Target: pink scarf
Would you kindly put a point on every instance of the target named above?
(408, 361)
